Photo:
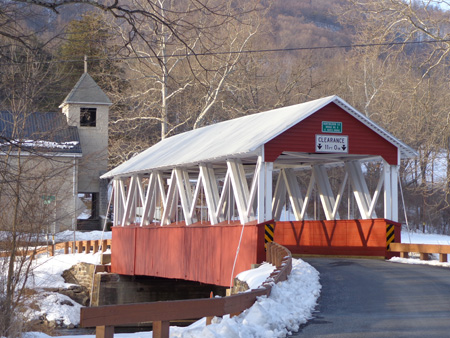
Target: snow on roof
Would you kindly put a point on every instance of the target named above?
(86, 91)
(44, 132)
(236, 138)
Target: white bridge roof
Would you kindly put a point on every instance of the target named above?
(236, 138)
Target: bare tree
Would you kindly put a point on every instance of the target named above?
(413, 21)
(176, 84)
(403, 88)
(31, 180)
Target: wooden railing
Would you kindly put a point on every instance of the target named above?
(104, 318)
(91, 246)
(423, 249)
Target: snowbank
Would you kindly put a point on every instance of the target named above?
(67, 236)
(418, 261)
(290, 304)
(54, 308)
(47, 271)
(255, 277)
(51, 306)
(421, 238)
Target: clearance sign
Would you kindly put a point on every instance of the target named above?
(331, 143)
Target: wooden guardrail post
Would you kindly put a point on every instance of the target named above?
(104, 332)
(95, 246)
(80, 246)
(161, 329)
(281, 254)
(104, 245)
(88, 246)
(270, 255)
(209, 318)
(424, 256)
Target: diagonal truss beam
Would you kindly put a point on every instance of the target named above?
(137, 201)
(325, 192)
(240, 188)
(149, 199)
(294, 193)
(170, 202)
(138, 197)
(279, 197)
(360, 190)
(185, 194)
(130, 203)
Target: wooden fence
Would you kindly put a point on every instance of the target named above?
(91, 246)
(161, 313)
(423, 249)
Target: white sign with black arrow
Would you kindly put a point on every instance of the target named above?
(331, 144)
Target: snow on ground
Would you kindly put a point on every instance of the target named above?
(55, 307)
(45, 279)
(416, 260)
(290, 304)
(421, 238)
(254, 278)
(66, 236)
(47, 271)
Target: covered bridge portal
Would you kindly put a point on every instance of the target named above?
(184, 206)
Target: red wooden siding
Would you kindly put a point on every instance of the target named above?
(123, 242)
(301, 137)
(206, 253)
(342, 237)
(198, 252)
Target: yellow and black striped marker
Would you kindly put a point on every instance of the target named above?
(390, 235)
(268, 233)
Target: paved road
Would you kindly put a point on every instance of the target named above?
(373, 298)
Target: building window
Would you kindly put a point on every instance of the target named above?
(88, 117)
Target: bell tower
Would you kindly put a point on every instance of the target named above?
(87, 108)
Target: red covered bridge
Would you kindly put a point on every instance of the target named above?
(195, 206)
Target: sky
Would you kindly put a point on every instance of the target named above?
(290, 304)
(445, 5)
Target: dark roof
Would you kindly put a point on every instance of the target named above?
(43, 132)
(87, 91)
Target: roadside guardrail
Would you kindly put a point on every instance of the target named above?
(423, 249)
(104, 318)
(90, 246)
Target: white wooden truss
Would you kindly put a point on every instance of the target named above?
(288, 189)
(218, 173)
(244, 193)
(138, 198)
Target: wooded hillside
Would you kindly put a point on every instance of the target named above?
(170, 66)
